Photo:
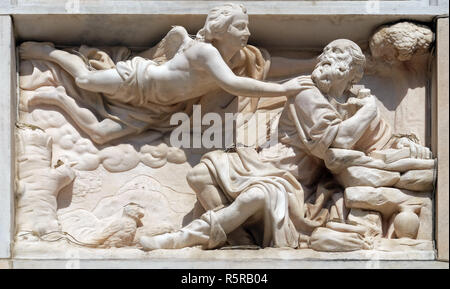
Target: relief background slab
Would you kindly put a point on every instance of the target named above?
(112, 192)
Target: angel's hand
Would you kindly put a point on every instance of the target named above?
(293, 86)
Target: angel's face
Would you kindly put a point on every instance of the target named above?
(237, 33)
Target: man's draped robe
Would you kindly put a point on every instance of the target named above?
(292, 173)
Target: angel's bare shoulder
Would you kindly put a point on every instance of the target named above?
(202, 51)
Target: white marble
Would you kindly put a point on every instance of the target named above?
(136, 94)
(92, 163)
(442, 141)
(142, 23)
(409, 7)
(7, 106)
(146, 30)
(62, 252)
(228, 264)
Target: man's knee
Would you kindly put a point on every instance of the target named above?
(253, 196)
(199, 177)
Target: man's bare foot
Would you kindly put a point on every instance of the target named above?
(175, 240)
(35, 50)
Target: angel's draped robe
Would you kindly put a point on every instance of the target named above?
(135, 105)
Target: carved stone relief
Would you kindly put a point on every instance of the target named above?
(349, 170)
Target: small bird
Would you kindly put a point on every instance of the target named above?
(121, 232)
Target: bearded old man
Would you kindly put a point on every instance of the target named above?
(284, 192)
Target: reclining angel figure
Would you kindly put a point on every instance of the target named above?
(140, 93)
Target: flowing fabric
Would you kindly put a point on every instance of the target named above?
(243, 170)
(136, 104)
(291, 174)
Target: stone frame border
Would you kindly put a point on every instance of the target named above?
(8, 107)
(8, 104)
(440, 139)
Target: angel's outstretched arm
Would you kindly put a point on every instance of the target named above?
(213, 63)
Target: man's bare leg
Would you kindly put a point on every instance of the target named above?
(206, 188)
(104, 81)
(211, 197)
(247, 204)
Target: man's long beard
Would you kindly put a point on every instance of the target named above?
(324, 75)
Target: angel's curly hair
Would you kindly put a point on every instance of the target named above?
(218, 20)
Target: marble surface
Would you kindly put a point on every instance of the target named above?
(80, 179)
(408, 7)
(227, 264)
(442, 196)
(262, 18)
(47, 251)
(7, 104)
